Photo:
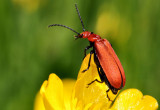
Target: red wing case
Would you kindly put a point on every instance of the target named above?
(110, 63)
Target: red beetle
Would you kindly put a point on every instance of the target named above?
(108, 65)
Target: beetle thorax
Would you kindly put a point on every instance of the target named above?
(90, 36)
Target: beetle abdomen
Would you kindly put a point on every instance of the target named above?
(110, 63)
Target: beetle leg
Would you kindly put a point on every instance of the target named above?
(94, 81)
(88, 62)
(108, 90)
(108, 96)
(85, 50)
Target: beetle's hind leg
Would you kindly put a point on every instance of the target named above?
(108, 95)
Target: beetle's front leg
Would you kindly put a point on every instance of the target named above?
(85, 50)
(88, 62)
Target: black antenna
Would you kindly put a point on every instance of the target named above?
(80, 17)
(65, 27)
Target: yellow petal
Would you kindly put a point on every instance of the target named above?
(52, 93)
(133, 99)
(38, 104)
(147, 103)
(90, 96)
(68, 85)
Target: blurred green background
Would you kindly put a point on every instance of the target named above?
(29, 51)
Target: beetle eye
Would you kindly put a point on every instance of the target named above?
(81, 35)
(111, 44)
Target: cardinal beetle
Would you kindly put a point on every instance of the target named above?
(109, 66)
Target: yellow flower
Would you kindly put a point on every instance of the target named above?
(111, 24)
(29, 5)
(38, 105)
(78, 95)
